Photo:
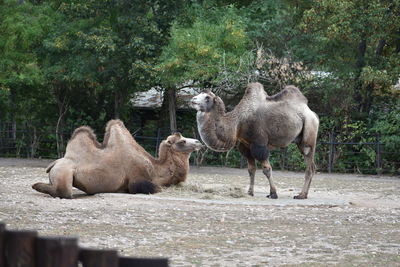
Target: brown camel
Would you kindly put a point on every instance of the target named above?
(118, 165)
(260, 123)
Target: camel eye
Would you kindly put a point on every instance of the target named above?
(207, 98)
(182, 142)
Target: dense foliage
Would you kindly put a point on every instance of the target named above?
(68, 63)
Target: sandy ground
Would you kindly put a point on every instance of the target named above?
(348, 220)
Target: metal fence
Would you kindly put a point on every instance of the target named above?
(24, 142)
(332, 154)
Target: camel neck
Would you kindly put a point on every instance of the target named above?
(217, 128)
(171, 168)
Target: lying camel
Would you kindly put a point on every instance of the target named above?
(119, 164)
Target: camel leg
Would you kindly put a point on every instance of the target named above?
(307, 148)
(45, 188)
(310, 171)
(60, 182)
(251, 167)
(267, 170)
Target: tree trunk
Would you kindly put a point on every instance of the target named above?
(59, 136)
(397, 42)
(116, 104)
(360, 63)
(379, 48)
(35, 139)
(362, 47)
(172, 109)
(12, 115)
(62, 109)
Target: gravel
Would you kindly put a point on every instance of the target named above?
(348, 220)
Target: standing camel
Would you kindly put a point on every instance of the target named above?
(260, 123)
(119, 164)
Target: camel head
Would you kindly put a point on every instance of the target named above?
(181, 144)
(204, 101)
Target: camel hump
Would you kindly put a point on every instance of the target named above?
(290, 92)
(86, 130)
(111, 123)
(254, 88)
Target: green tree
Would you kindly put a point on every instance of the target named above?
(101, 52)
(22, 28)
(359, 41)
(200, 49)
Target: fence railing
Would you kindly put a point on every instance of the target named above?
(26, 142)
(344, 156)
(26, 248)
(332, 155)
(360, 149)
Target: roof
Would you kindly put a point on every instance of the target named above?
(153, 98)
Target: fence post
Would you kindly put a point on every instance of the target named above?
(56, 252)
(331, 151)
(378, 156)
(143, 262)
(242, 162)
(19, 248)
(2, 237)
(98, 258)
(283, 158)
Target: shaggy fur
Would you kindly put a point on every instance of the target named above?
(119, 164)
(260, 123)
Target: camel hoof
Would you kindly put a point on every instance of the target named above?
(250, 192)
(300, 196)
(272, 196)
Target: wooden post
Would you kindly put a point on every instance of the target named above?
(57, 252)
(242, 161)
(158, 141)
(143, 262)
(2, 237)
(283, 158)
(98, 258)
(172, 109)
(331, 151)
(19, 248)
(378, 156)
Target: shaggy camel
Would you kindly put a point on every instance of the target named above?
(118, 165)
(260, 123)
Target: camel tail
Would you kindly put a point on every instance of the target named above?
(143, 187)
(51, 165)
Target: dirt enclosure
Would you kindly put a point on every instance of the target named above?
(348, 220)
